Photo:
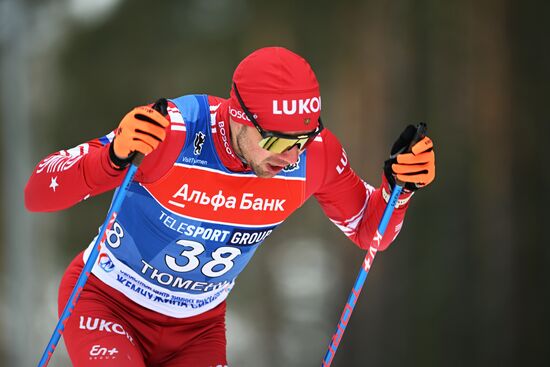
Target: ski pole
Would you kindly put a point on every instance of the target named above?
(119, 197)
(94, 253)
(367, 262)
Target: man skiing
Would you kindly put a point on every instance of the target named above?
(219, 175)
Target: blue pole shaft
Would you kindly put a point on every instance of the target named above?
(75, 294)
(361, 277)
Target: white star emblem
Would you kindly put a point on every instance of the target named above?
(53, 183)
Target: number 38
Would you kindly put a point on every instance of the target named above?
(222, 257)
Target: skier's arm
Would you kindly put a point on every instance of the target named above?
(353, 205)
(67, 177)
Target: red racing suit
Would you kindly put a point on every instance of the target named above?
(191, 221)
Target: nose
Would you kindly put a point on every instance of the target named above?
(291, 156)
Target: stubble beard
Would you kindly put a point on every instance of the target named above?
(246, 157)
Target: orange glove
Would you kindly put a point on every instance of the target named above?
(416, 168)
(141, 130)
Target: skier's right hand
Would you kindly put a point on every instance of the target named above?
(141, 130)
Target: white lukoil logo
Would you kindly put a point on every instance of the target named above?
(296, 106)
(95, 323)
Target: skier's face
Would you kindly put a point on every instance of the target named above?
(265, 164)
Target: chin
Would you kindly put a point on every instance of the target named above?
(262, 172)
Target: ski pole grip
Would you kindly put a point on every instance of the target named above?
(421, 129)
(161, 105)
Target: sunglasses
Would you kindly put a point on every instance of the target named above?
(275, 141)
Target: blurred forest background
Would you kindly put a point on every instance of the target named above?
(467, 283)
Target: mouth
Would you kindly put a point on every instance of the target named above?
(274, 168)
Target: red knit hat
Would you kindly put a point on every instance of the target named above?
(279, 88)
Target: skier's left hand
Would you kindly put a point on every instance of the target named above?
(416, 169)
